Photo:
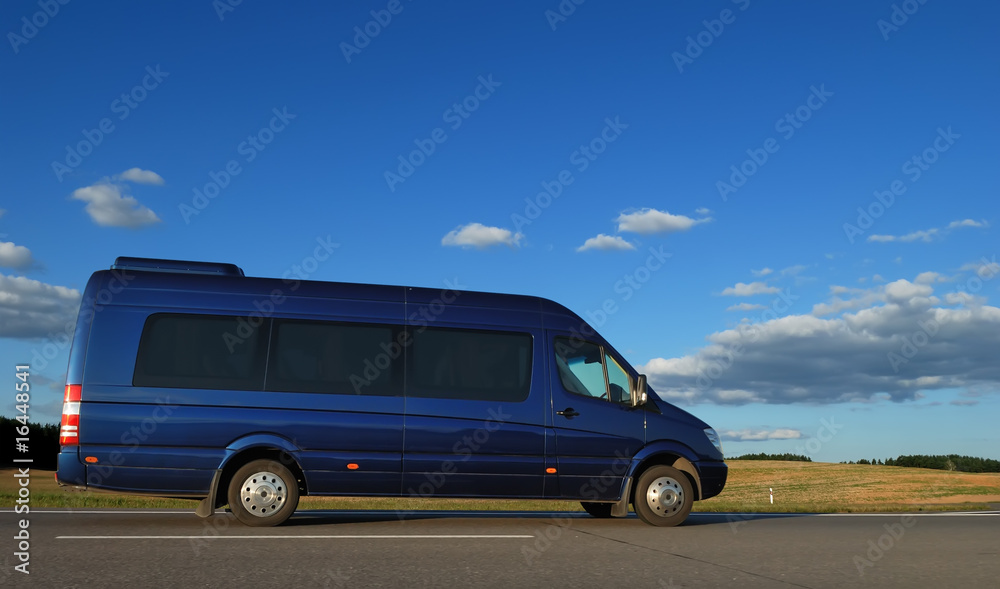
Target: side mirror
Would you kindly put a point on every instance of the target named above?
(639, 394)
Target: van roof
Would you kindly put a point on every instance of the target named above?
(156, 283)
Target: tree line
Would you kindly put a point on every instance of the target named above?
(42, 444)
(763, 456)
(938, 462)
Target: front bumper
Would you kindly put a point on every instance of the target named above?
(713, 477)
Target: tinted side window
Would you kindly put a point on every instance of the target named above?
(580, 368)
(200, 351)
(323, 357)
(466, 364)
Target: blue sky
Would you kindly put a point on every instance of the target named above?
(696, 169)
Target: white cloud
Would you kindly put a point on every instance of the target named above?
(967, 223)
(746, 307)
(868, 351)
(648, 221)
(839, 305)
(901, 291)
(703, 211)
(928, 235)
(31, 309)
(925, 235)
(929, 278)
(760, 435)
(746, 290)
(108, 207)
(140, 176)
(983, 267)
(480, 236)
(761, 272)
(15, 256)
(605, 242)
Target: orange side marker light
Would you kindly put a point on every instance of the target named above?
(91, 459)
(550, 470)
(352, 466)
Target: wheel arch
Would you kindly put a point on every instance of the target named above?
(244, 451)
(673, 455)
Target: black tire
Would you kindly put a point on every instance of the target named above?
(601, 510)
(263, 493)
(663, 496)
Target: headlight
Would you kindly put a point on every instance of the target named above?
(714, 438)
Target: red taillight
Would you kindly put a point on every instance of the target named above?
(69, 429)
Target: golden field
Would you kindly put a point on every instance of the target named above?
(804, 487)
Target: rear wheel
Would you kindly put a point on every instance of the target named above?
(601, 510)
(263, 493)
(663, 496)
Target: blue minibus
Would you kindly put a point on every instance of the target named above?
(190, 379)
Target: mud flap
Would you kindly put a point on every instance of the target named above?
(207, 506)
(620, 509)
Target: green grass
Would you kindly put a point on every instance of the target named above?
(799, 487)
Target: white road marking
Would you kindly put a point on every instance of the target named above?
(497, 514)
(310, 537)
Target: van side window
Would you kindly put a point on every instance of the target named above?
(325, 357)
(467, 364)
(581, 367)
(200, 352)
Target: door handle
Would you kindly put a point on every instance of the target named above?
(568, 413)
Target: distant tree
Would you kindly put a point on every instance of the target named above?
(43, 443)
(764, 456)
(953, 462)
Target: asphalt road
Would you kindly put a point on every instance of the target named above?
(165, 548)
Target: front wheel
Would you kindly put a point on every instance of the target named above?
(263, 493)
(663, 496)
(601, 510)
